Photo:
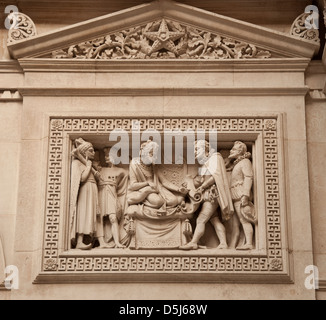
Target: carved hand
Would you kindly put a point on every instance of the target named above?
(88, 163)
(200, 190)
(153, 186)
(183, 190)
(97, 175)
(244, 200)
(150, 189)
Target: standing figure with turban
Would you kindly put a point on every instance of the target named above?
(84, 195)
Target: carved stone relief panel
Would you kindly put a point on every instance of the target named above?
(219, 217)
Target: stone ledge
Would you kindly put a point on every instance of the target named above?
(204, 91)
(322, 285)
(2, 287)
(10, 95)
(171, 65)
(317, 94)
(142, 277)
(10, 66)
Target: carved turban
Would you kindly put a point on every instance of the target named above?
(82, 145)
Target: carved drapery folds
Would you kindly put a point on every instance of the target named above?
(23, 27)
(299, 29)
(162, 39)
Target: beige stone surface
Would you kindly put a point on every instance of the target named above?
(321, 295)
(316, 116)
(9, 180)
(10, 121)
(9, 162)
(24, 131)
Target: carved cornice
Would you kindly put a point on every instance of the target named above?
(10, 95)
(2, 287)
(162, 39)
(280, 44)
(10, 66)
(159, 65)
(317, 94)
(322, 285)
(23, 28)
(298, 29)
(203, 91)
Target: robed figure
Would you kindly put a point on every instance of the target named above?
(84, 207)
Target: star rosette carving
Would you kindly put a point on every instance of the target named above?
(164, 38)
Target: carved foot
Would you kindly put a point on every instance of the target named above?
(189, 246)
(105, 246)
(83, 246)
(222, 246)
(120, 246)
(245, 247)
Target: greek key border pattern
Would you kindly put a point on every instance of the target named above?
(266, 125)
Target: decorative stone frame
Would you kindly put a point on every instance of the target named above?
(268, 263)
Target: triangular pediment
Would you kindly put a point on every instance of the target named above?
(162, 39)
(163, 30)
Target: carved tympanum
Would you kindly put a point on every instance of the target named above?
(162, 39)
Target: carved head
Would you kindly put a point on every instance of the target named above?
(202, 150)
(85, 148)
(148, 152)
(239, 149)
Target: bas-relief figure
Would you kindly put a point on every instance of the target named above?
(156, 205)
(214, 187)
(84, 206)
(112, 187)
(241, 190)
(146, 207)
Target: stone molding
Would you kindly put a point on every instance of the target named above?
(2, 287)
(204, 91)
(10, 66)
(10, 95)
(317, 94)
(322, 285)
(173, 65)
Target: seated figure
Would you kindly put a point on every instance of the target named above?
(156, 207)
(145, 186)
